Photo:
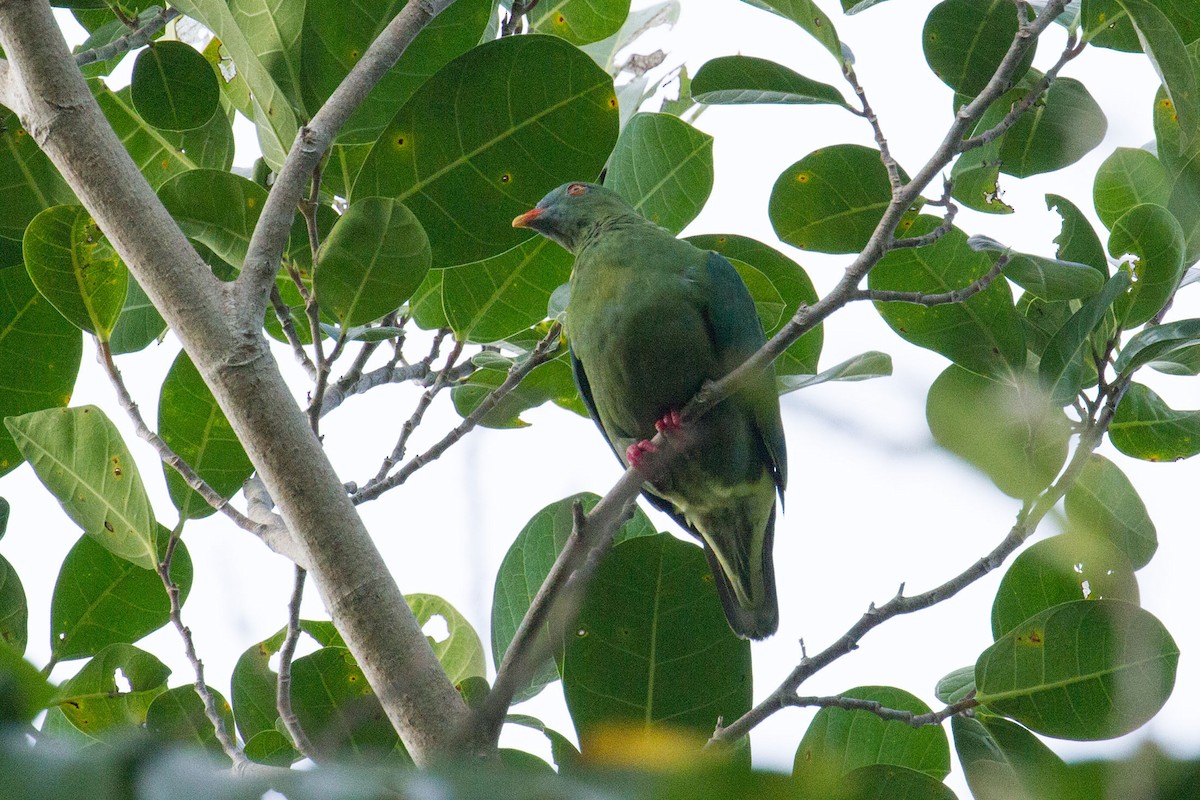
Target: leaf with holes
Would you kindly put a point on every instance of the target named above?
(1153, 237)
(74, 267)
(96, 704)
(461, 652)
(1076, 239)
(460, 153)
(663, 167)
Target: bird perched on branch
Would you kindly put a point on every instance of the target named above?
(651, 319)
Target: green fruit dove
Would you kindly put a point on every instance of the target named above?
(652, 318)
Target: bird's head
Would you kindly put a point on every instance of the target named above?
(573, 211)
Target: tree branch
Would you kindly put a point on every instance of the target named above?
(130, 41)
(941, 298)
(881, 711)
(283, 687)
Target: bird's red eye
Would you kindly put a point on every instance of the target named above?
(576, 189)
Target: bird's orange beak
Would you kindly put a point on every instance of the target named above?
(523, 220)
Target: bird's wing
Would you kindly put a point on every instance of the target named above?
(737, 334)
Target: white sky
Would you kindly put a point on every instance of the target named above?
(872, 501)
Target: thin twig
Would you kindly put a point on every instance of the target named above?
(885, 153)
(284, 313)
(228, 743)
(941, 298)
(283, 688)
(130, 41)
(539, 355)
(881, 711)
(946, 225)
(512, 23)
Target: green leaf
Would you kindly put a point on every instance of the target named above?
(372, 261)
(24, 692)
(1151, 234)
(638, 22)
(1146, 427)
(864, 366)
(271, 747)
(1076, 240)
(768, 302)
(139, 323)
(173, 87)
(1127, 178)
(1063, 568)
(976, 172)
(1184, 202)
(1062, 127)
(39, 356)
(461, 152)
(177, 715)
(461, 652)
(565, 756)
(161, 154)
(579, 21)
(96, 704)
(1163, 45)
(792, 284)
(885, 781)
(73, 266)
(253, 685)
(831, 200)
(336, 35)
(1086, 670)
(742, 80)
(842, 740)
(1102, 502)
(274, 112)
(651, 644)
(100, 599)
(965, 41)
(14, 610)
(1046, 278)
(337, 708)
(29, 183)
(525, 567)
(193, 425)
(1009, 432)
(956, 685)
(663, 167)
(495, 298)
(548, 382)
(1105, 24)
(1066, 365)
(1156, 342)
(80, 457)
(982, 334)
(426, 303)
(806, 14)
(1003, 761)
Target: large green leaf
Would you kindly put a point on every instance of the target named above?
(831, 200)
(274, 113)
(1076, 240)
(806, 14)
(1128, 178)
(651, 644)
(193, 425)
(526, 565)
(1074, 566)
(1184, 201)
(1010, 432)
(14, 610)
(663, 167)
(80, 457)
(793, 286)
(976, 172)
(1157, 342)
(39, 356)
(100, 599)
(96, 704)
(1003, 761)
(338, 710)
(177, 715)
(29, 183)
(1163, 45)
(272, 28)
(842, 741)
(75, 268)
(1089, 669)
(1102, 502)
(1067, 364)
(465, 152)
(461, 652)
(579, 21)
(982, 334)
(173, 87)
(1046, 278)
(161, 154)
(741, 80)
(965, 41)
(1153, 237)
(489, 300)
(337, 34)
(1063, 127)
(372, 261)
(1146, 427)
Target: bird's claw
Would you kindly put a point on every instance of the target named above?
(671, 421)
(637, 451)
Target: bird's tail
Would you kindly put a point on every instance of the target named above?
(739, 554)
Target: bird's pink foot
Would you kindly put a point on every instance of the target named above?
(637, 451)
(671, 421)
